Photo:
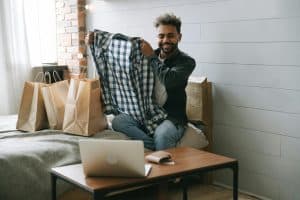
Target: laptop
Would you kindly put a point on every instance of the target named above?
(120, 158)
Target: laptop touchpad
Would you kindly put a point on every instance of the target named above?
(111, 159)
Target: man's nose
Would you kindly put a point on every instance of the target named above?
(166, 39)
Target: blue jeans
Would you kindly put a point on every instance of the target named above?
(166, 135)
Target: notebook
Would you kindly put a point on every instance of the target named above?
(121, 158)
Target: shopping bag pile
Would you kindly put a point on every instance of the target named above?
(73, 106)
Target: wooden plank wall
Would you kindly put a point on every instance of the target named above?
(250, 50)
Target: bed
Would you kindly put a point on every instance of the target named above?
(27, 157)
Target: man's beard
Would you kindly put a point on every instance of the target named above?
(168, 49)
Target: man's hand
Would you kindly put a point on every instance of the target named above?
(146, 49)
(89, 38)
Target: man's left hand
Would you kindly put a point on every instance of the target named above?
(146, 49)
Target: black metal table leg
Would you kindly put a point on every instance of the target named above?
(98, 196)
(53, 186)
(184, 185)
(184, 194)
(235, 169)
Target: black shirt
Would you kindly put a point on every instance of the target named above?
(174, 73)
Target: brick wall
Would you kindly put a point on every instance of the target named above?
(71, 27)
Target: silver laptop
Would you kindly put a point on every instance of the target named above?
(123, 158)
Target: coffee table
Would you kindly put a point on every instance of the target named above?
(188, 161)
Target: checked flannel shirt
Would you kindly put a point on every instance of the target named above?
(127, 80)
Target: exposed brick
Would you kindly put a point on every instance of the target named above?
(81, 19)
(81, 35)
(74, 22)
(75, 56)
(75, 42)
(74, 9)
(71, 25)
(66, 40)
(83, 62)
(81, 42)
(60, 4)
(72, 29)
(60, 17)
(82, 49)
(72, 49)
(71, 16)
(81, 2)
(72, 63)
(61, 50)
(82, 29)
(61, 61)
(60, 30)
(72, 2)
(67, 10)
(74, 36)
(67, 55)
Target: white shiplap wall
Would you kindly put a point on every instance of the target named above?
(250, 50)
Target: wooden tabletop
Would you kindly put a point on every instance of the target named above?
(187, 160)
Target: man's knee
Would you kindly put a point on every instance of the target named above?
(165, 131)
(167, 135)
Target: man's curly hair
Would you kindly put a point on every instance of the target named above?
(168, 19)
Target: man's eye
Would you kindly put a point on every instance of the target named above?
(171, 36)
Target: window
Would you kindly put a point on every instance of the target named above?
(40, 19)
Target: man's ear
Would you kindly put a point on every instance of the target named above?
(179, 37)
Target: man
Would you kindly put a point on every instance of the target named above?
(172, 69)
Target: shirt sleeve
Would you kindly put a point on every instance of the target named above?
(173, 76)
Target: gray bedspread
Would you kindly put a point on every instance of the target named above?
(26, 159)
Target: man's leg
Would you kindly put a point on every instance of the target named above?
(126, 124)
(167, 135)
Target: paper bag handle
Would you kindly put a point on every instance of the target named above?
(43, 77)
(56, 75)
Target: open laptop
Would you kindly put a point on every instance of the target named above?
(123, 158)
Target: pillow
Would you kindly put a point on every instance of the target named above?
(193, 137)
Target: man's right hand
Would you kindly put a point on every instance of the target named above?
(89, 38)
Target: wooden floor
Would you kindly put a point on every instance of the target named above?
(195, 192)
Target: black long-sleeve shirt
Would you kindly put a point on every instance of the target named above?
(174, 73)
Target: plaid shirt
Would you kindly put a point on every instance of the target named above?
(127, 80)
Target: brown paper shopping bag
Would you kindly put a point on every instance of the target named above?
(32, 114)
(83, 110)
(55, 96)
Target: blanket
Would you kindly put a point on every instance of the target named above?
(26, 159)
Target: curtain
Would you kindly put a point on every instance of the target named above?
(40, 19)
(14, 55)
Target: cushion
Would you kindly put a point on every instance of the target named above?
(193, 137)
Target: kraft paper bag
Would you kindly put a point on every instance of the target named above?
(55, 96)
(32, 113)
(83, 110)
(196, 92)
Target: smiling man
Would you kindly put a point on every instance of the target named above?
(172, 69)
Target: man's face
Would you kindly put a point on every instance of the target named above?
(168, 38)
